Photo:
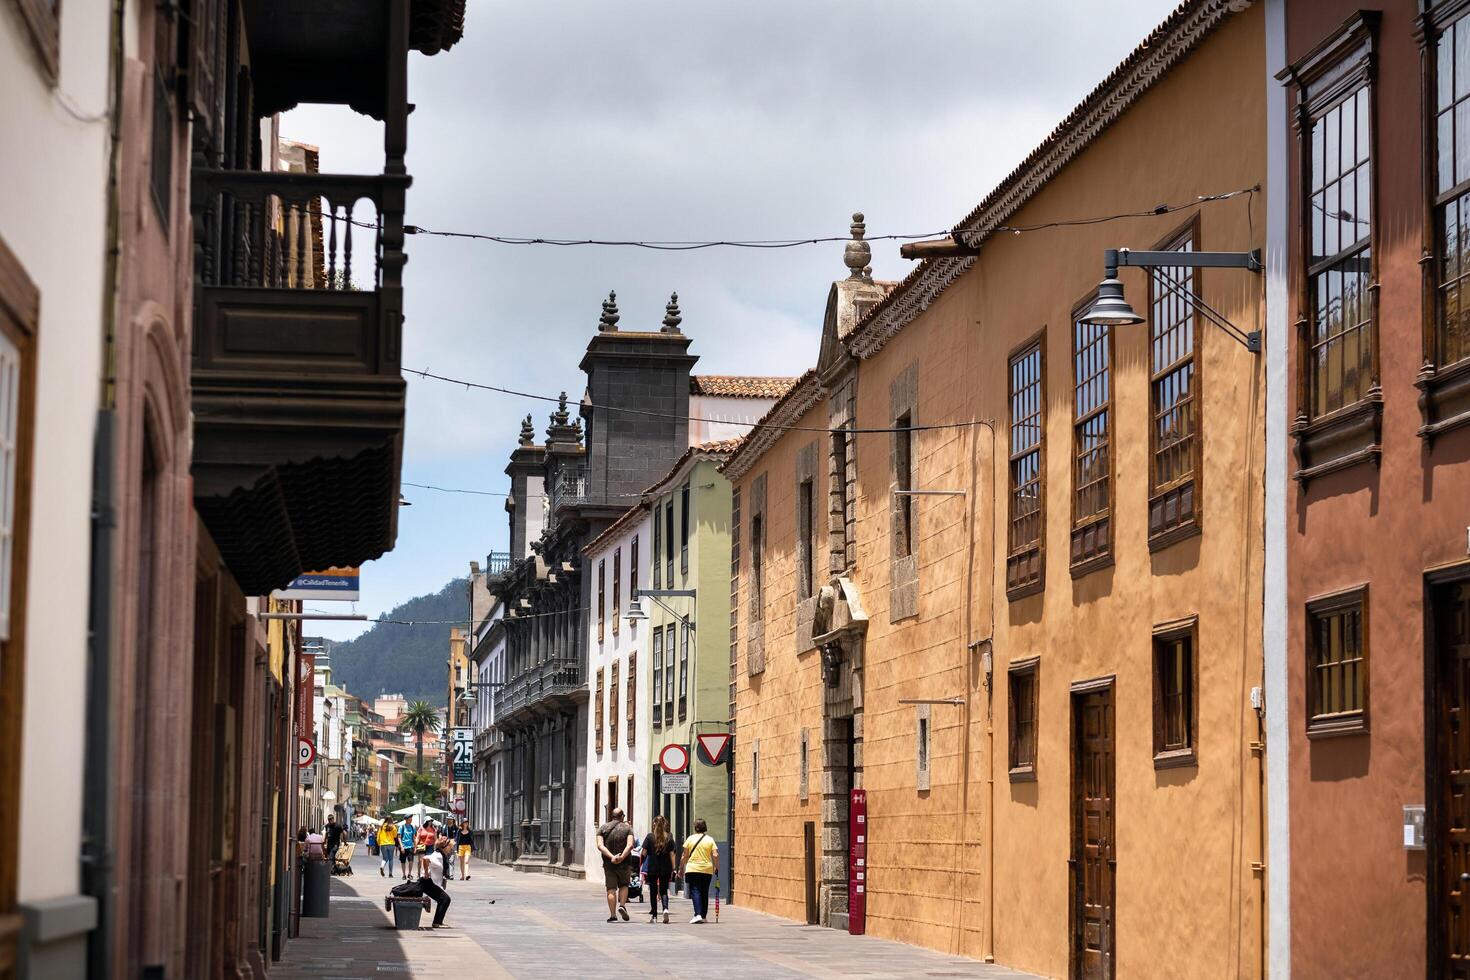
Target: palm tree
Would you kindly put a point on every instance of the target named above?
(420, 717)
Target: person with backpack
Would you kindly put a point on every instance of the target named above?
(387, 837)
(658, 866)
(615, 843)
(701, 858)
(406, 835)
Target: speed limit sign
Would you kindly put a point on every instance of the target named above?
(305, 752)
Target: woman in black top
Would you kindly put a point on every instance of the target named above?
(658, 865)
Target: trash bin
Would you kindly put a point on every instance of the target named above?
(408, 913)
(316, 889)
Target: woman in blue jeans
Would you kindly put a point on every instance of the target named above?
(701, 858)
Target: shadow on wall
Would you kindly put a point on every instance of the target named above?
(1447, 450)
(1343, 757)
(1351, 481)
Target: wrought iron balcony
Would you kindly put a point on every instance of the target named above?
(297, 393)
(497, 562)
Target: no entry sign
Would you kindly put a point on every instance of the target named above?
(673, 758)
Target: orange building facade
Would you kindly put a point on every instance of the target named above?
(1000, 570)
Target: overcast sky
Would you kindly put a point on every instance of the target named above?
(644, 120)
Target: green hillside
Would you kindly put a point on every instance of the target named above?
(408, 660)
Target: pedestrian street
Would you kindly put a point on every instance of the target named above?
(546, 926)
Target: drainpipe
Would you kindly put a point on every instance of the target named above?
(96, 846)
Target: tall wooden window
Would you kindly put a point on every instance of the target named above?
(658, 678)
(1022, 686)
(684, 530)
(1339, 360)
(601, 596)
(903, 472)
(805, 525)
(1173, 501)
(1024, 566)
(612, 797)
(1337, 663)
(669, 542)
(617, 602)
(1174, 696)
(632, 698)
(658, 578)
(684, 672)
(597, 707)
(633, 567)
(1092, 464)
(669, 641)
(757, 567)
(612, 706)
(628, 807)
(1452, 193)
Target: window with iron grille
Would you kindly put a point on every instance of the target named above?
(841, 497)
(1173, 402)
(757, 567)
(1174, 697)
(658, 678)
(1024, 568)
(1339, 361)
(903, 472)
(1022, 684)
(1092, 464)
(1337, 663)
(805, 519)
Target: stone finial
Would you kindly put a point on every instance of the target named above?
(609, 319)
(672, 317)
(858, 253)
(561, 409)
(528, 432)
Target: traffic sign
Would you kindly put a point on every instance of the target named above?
(673, 758)
(712, 748)
(674, 782)
(458, 806)
(305, 752)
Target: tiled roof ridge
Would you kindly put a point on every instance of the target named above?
(740, 385)
(613, 529)
(1179, 33)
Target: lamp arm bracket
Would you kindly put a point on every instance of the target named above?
(1193, 260)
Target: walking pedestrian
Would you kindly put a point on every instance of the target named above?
(387, 846)
(701, 857)
(658, 863)
(615, 843)
(423, 845)
(333, 838)
(466, 842)
(407, 833)
(432, 882)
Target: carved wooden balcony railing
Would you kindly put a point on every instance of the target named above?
(298, 397)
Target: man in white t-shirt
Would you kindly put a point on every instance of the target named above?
(433, 882)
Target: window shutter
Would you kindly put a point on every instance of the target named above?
(202, 67)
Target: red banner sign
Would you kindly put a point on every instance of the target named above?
(305, 694)
(857, 863)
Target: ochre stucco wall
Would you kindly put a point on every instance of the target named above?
(1358, 898)
(1188, 903)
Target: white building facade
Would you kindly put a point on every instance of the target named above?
(618, 743)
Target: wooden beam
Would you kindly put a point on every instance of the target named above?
(936, 248)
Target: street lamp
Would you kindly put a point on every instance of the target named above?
(1111, 308)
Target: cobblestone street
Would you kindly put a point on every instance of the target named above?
(542, 926)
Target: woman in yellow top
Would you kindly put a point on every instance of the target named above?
(387, 846)
(701, 858)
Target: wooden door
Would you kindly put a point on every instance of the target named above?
(1452, 729)
(809, 844)
(1092, 834)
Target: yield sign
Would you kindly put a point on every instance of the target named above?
(712, 748)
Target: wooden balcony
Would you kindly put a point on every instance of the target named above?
(297, 394)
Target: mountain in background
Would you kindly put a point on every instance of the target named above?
(407, 660)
